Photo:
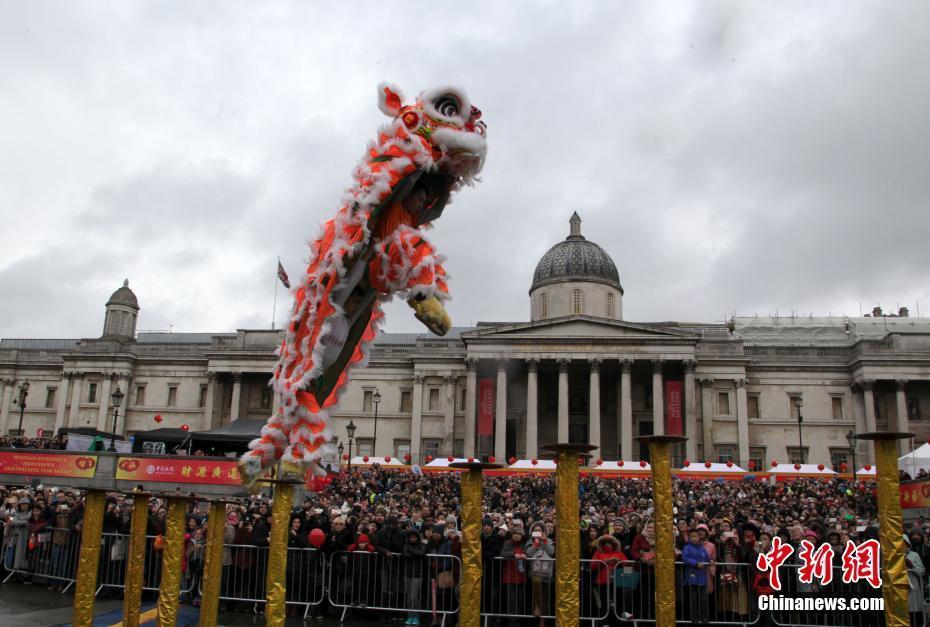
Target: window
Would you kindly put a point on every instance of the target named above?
(458, 448)
(140, 395)
(913, 409)
(431, 448)
(610, 305)
(202, 400)
(837, 403)
(50, 397)
(172, 395)
(16, 432)
(726, 453)
(577, 304)
(401, 448)
(364, 446)
(266, 397)
(92, 393)
(723, 403)
(433, 404)
(838, 457)
(757, 457)
(367, 400)
(406, 401)
(793, 408)
(797, 455)
(752, 406)
(543, 305)
(462, 397)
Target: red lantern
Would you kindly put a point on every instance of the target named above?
(620, 463)
(642, 463)
(687, 463)
(599, 461)
(365, 459)
(158, 418)
(407, 458)
(429, 458)
(491, 459)
(534, 461)
(843, 467)
(450, 459)
(317, 538)
(387, 459)
(707, 464)
(512, 460)
(729, 464)
(185, 428)
(471, 460)
(752, 465)
(820, 467)
(774, 463)
(868, 467)
(345, 456)
(797, 466)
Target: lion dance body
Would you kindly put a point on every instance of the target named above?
(371, 250)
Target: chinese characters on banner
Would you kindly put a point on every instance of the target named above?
(860, 562)
(169, 470)
(485, 406)
(673, 407)
(915, 495)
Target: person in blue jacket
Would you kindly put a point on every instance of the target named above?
(696, 561)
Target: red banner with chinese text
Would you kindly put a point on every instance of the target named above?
(486, 406)
(673, 408)
(914, 494)
(48, 464)
(183, 470)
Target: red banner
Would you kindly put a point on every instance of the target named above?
(673, 408)
(48, 465)
(914, 494)
(183, 470)
(486, 406)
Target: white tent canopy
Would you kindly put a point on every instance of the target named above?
(805, 469)
(870, 472)
(626, 466)
(443, 462)
(716, 468)
(360, 460)
(916, 460)
(527, 464)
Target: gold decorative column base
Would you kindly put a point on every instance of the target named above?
(170, 590)
(135, 559)
(85, 589)
(275, 583)
(213, 564)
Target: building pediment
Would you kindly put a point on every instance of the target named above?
(578, 326)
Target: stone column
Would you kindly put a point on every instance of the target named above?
(594, 407)
(236, 396)
(416, 421)
(500, 413)
(742, 422)
(658, 399)
(903, 424)
(470, 405)
(626, 410)
(208, 419)
(870, 426)
(690, 397)
(563, 401)
(449, 439)
(532, 408)
(707, 409)
(8, 385)
(103, 414)
(62, 402)
(76, 391)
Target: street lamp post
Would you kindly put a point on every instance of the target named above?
(341, 449)
(851, 438)
(376, 399)
(350, 429)
(117, 398)
(799, 402)
(23, 393)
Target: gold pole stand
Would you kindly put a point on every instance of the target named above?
(895, 583)
(472, 483)
(170, 590)
(276, 586)
(568, 539)
(89, 559)
(213, 564)
(135, 559)
(665, 542)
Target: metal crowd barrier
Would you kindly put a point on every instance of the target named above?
(391, 582)
(112, 570)
(244, 576)
(50, 555)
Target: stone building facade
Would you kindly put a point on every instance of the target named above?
(576, 371)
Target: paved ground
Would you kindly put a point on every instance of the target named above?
(34, 606)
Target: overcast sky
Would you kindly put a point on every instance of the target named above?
(730, 157)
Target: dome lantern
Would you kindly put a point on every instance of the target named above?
(122, 309)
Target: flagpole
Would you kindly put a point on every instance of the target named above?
(274, 307)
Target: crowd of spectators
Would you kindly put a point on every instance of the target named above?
(720, 527)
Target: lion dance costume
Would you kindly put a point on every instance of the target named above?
(371, 250)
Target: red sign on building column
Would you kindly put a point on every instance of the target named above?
(673, 407)
(486, 406)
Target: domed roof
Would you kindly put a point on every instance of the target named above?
(124, 296)
(576, 259)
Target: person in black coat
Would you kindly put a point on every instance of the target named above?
(260, 534)
(413, 568)
(491, 543)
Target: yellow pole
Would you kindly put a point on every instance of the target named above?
(275, 586)
(170, 590)
(213, 564)
(665, 543)
(470, 598)
(135, 561)
(85, 590)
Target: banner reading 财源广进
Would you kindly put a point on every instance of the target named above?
(169, 470)
(48, 464)
(486, 406)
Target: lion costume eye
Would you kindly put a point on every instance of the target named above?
(448, 106)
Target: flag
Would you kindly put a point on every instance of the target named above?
(282, 275)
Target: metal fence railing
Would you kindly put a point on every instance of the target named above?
(112, 570)
(417, 585)
(49, 556)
